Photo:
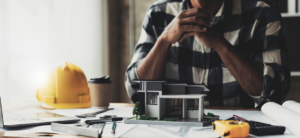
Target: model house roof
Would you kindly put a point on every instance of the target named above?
(171, 88)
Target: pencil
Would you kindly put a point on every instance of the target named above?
(239, 118)
(113, 129)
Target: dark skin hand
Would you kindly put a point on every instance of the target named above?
(153, 65)
(195, 22)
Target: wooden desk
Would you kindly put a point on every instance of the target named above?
(19, 134)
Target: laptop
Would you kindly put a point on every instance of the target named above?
(11, 120)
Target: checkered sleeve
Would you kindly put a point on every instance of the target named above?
(146, 42)
(273, 55)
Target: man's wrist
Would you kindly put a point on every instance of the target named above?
(163, 41)
(222, 46)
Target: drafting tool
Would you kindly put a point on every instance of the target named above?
(107, 116)
(239, 118)
(231, 128)
(93, 114)
(93, 130)
(259, 128)
(103, 120)
(113, 129)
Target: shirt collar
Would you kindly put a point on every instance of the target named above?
(219, 13)
(184, 5)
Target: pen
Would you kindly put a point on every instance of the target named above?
(114, 127)
(239, 118)
(101, 131)
(93, 114)
(103, 120)
(96, 121)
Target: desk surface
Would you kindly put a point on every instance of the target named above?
(34, 106)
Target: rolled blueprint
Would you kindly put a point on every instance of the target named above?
(283, 116)
(292, 105)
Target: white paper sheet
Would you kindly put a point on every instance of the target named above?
(155, 131)
(283, 116)
(203, 132)
(292, 105)
(73, 112)
(180, 131)
(160, 131)
(120, 129)
(249, 115)
(119, 112)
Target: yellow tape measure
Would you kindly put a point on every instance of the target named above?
(231, 129)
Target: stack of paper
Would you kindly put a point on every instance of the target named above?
(287, 115)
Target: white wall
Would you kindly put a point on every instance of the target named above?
(152, 110)
(34, 34)
(192, 113)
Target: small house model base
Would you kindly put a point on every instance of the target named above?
(171, 104)
(177, 122)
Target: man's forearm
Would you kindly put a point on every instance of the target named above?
(152, 67)
(248, 74)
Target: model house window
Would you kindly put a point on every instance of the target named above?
(193, 104)
(152, 97)
(174, 107)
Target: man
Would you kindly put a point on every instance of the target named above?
(234, 47)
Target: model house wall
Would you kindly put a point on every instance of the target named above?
(162, 99)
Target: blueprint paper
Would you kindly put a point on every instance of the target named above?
(283, 116)
(157, 131)
(292, 105)
(142, 131)
(119, 112)
(73, 112)
(201, 132)
(120, 129)
(249, 115)
(180, 131)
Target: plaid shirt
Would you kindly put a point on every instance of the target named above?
(253, 27)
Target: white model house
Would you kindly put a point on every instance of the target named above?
(163, 100)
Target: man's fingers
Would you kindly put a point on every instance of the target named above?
(193, 28)
(185, 35)
(195, 12)
(195, 20)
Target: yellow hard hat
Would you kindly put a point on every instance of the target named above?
(65, 87)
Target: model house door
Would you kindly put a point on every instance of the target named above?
(174, 107)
